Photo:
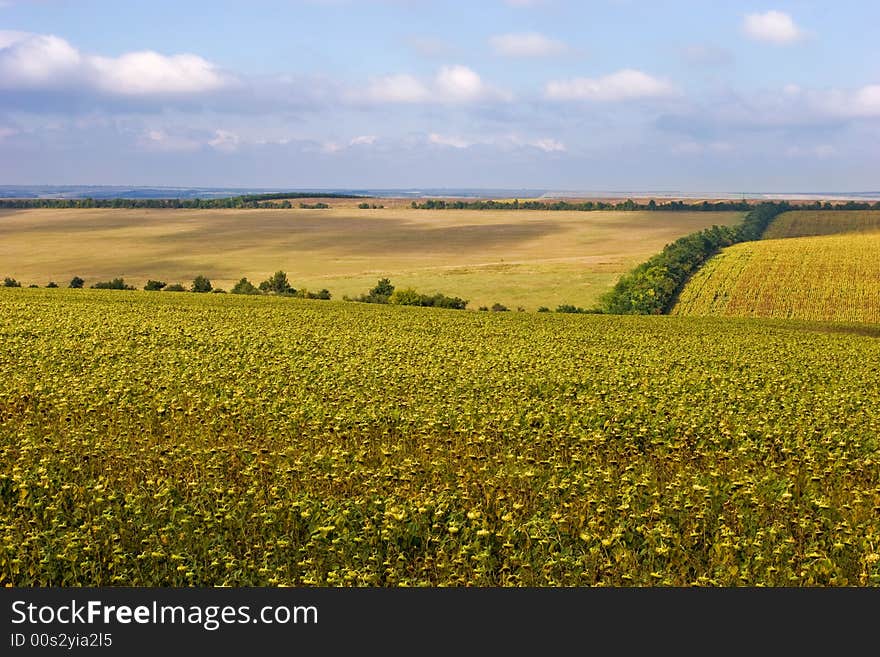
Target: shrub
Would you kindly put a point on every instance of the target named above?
(154, 286)
(277, 284)
(499, 308)
(10, 282)
(115, 284)
(543, 309)
(76, 283)
(52, 284)
(568, 308)
(322, 294)
(406, 297)
(364, 206)
(381, 293)
(201, 285)
(244, 286)
(218, 290)
(33, 285)
(177, 287)
(481, 308)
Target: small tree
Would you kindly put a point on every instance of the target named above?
(201, 284)
(383, 288)
(76, 283)
(10, 282)
(499, 308)
(244, 286)
(277, 284)
(176, 287)
(52, 284)
(154, 286)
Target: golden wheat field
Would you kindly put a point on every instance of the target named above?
(516, 258)
(809, 265)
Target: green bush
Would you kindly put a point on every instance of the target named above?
(201, 285)
(76, 283)
(244, 286)
(10, 282)
(277, 284)
(154, 286)
(52, 284)
(499, 308)
(115, 284)
(177, 287)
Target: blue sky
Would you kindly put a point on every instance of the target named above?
(683, 95)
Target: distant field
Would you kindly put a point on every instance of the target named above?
(518, 258)
(805, 223)
(832, 277)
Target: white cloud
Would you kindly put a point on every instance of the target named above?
(548, 145)
(147, 72)
(398, 89)
(452, 84)
(363, 140)
(7, 132)
(628, 84)
(772, 26)
(459, 84)
(444, 140)
(39, 61)
(224, 140)
(528, 44)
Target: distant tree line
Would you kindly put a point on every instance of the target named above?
(627, 205)
(652, 287)
(252, 201)
(277, 284)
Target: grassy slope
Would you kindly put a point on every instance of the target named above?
(526, 258)
(183, 439)
(834, 274)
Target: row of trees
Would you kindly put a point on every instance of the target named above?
(627, 205)
(385, 292)
(277, 284)
(652, 287)
(251, 201)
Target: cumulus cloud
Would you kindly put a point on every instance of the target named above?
(528, 44)
(773, 27)
(147, 72)
(459, 84)
(628, 84)
(48, 62)
(451, 84)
